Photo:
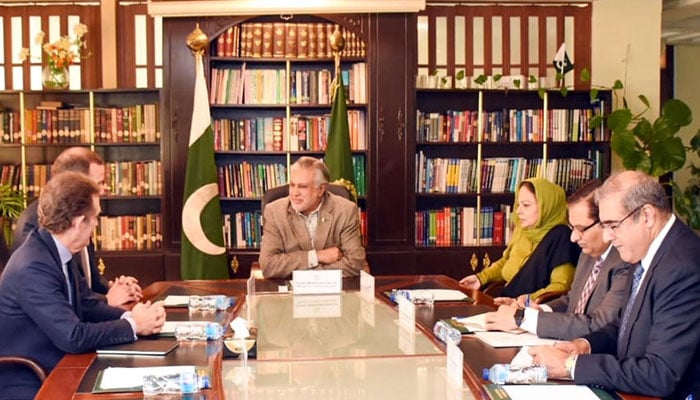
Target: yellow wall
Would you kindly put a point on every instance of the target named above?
(687, 88)
(627, 46)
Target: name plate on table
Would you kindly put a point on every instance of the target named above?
(322, 306)
(366, 286)
(455, 363)
(317, 281)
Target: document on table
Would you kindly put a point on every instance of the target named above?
(477, 323)
(113, 379)
(507, 339)
(439, 294)
(547, 392)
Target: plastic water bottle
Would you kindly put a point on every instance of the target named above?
(445, 332)
(505, 373)
(198, 331)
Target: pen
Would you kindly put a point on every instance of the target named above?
(527, 301)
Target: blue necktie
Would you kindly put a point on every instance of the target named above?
(636, 279)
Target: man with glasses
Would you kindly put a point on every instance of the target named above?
(599, 291)
(654, 349)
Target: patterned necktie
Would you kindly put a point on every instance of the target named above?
(636, 279)
(588, 287)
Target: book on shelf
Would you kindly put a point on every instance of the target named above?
(302, 40)
(267, 39)
(290, 48)
(278, 39)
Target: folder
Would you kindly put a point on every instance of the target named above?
(141, 348)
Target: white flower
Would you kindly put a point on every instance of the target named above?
(80, 29)
(39, 39)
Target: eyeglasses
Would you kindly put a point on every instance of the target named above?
(613, 225)
(585, 228)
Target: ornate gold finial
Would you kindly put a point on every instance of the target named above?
(101, 266)
(337, 41)
(487, 260)
(474, 262)
(197, 41)
(234, 264)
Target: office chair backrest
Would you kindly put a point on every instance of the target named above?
(278, 192)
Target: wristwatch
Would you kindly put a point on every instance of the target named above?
(519, 314)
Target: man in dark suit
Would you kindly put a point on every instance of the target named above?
(46, 307)
(654, 349)
(599, 291)
(122, 290)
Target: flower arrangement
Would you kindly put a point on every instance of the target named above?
(60, 54)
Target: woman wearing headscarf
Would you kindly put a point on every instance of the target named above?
(540, 258)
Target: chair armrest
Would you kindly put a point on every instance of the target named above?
(29, 363)
(549, 296)
(493, 289)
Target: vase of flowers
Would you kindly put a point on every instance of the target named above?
(59, 55)
(55, 77)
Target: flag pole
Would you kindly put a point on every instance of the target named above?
(202, 250)
(339, 164)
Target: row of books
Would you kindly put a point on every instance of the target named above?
(134, 124)
(243, 230)
(308, 132)
(134, 178)
(11, 174)
(272, 85)
(499, 174)
(564, 125)
(129, 232)
(285, 40)
(463, 226)
(123, 178)
(249, 180)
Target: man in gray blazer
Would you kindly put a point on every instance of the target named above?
(654, 350)
(311, 228)
(599, 291)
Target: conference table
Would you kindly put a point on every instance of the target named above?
(340, 346)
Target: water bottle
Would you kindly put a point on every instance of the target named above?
(505, 373)
(445, 332)
(198, 331)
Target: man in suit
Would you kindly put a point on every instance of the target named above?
(124, 289)
(311, 228)
(599, 291)
(46, 307)
(654, 349)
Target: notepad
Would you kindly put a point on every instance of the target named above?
(477, 323)
(141, 348)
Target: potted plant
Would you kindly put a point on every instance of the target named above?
(11, 206)
(655, 148)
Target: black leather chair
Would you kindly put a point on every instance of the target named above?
(278, 192)
(281, 191)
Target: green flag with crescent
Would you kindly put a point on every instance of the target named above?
(203, 255)
(338, 157)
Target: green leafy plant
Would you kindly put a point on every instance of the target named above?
(11, 206)
(655, 148)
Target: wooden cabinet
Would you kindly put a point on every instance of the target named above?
(123, 126)
(473, 147)
(257, 127)
(270, 94)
